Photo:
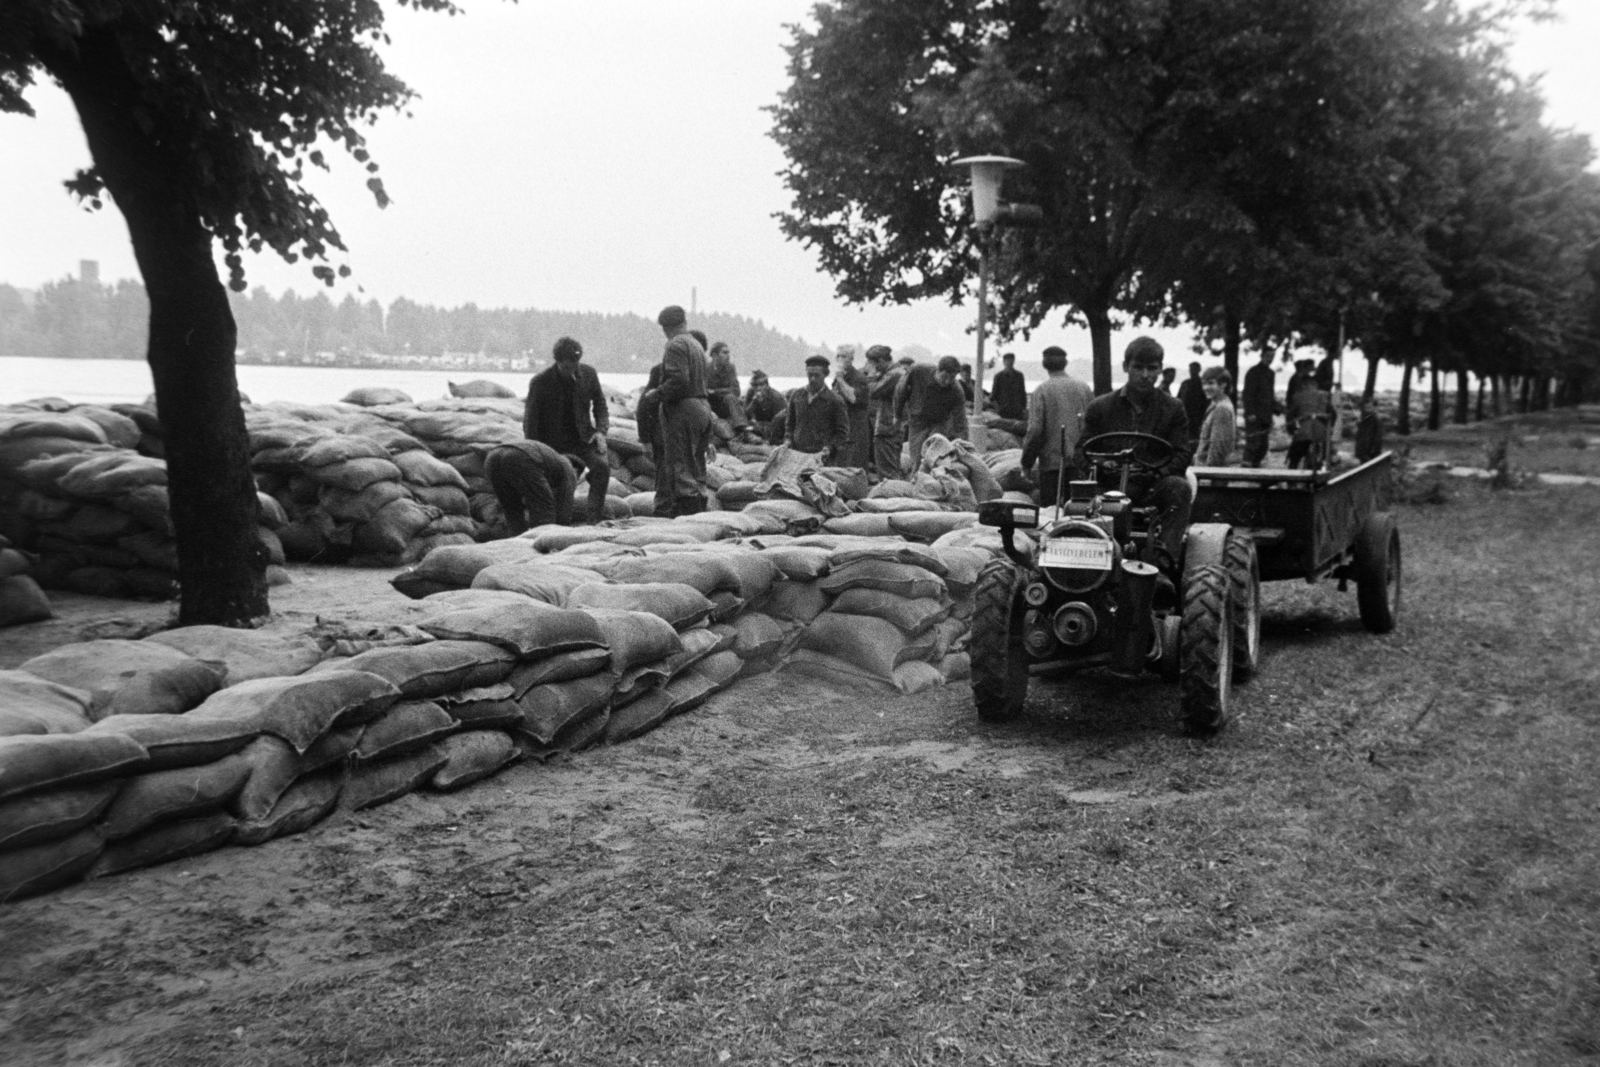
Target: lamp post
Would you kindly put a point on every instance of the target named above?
(986, 173)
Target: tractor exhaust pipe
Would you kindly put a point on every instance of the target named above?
(1130, 648)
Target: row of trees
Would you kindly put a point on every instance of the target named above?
(80, 318)
(1273, 172)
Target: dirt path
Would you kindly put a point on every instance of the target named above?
(1388, 859)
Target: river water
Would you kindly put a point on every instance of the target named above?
(117, 381)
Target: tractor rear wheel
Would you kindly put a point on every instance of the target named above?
(1377, 567)
(1244, 573)
(999, 660)
(1206, 683)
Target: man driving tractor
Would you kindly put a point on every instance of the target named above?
(1156, 480)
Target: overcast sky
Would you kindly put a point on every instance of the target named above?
(595, 155)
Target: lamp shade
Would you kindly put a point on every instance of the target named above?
(987, 173)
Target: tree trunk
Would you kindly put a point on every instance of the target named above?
(1100, 340)
(1231, 329)
(1483, 388)
(1463, 396)
(1435, 402)
(1523, 393)
(1402, 418)
(1371, 387)
(212, 495)
(1541, 393)
(1494, 395)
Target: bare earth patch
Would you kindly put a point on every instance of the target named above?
(1389, 858)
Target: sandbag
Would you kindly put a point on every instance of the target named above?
(725, 606)
(961, 568)
(407, 726)
(917, 676)
(481, 387)
(455, 566)
(543, 580)
(861, 524)
(450, 501)
(638, 716)
(307, 802)
(33, 705)
(548, 708)
(871, 645)
(930, 525)
(782, 514)
(798, 564)
(392, 528)
(578, 734)
(303, 708)
(129, 677)
(369, 396)
(161, 796)
(325, 452)
(909, 615)
(29, 763)
(641, 505)
(759, 636)
(422, 468)
(102, 477)
(360, 505)
(26, 872)
(431, 669)
(530, 629)
(795, 601)
(178, 740)
(894, 550)
(834, 671)
(756, 573)
(51, 815)
(72, 427)
(454, 599)
(562, 667)
(273, 767)
(956, 667)
(490, 708)
(243, 655)
(636, 637)
(555, 538)
(681, 605)
(332, 748)
(660, 533)
(172, 841)
(691, 688)
(148, 504)
(381, 781)
(471, 757)
(902, 579)
(94, 524)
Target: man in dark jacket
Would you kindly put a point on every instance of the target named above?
(1010, 390)
(1260, 400)
(1192, 395)
(763, 404)
(1141, 407)
(533, 483)
(931, 401)
(818, 419)
(566, 409)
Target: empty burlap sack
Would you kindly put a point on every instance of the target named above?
(129, 677)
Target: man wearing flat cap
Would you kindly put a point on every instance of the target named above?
(818, 419)
(1141, 407)
(685, 423)
(566, 409)
(931, 400)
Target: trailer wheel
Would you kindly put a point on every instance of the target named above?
(1377, 567)
(1206, 684)
(1244, 573)
(999, 660)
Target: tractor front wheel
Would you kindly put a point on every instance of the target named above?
(1206, 683)
(999, 660)
(1244, 569)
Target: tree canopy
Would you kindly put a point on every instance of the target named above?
(1282, 170)
(201, 117)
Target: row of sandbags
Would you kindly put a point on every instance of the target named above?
(89, 508)
(873, 607)
(21, 599)
(121, 754)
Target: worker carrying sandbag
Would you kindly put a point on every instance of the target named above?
(533, 483)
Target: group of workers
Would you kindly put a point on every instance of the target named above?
(872, 418)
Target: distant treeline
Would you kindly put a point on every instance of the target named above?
(82, 319)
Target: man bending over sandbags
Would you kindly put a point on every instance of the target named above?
(534, 484)
(566, 409)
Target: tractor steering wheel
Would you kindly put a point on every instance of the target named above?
(1134, 454)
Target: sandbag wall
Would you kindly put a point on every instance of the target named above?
(120, 754)
(81, 494)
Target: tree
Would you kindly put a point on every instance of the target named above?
(200, 116)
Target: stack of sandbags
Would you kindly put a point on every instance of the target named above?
(94, 512)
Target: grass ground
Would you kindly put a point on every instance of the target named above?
(1564, 441)
(1388, 859)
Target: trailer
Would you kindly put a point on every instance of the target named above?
(1314, 525)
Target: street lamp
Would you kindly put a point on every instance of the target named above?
(986, 174)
